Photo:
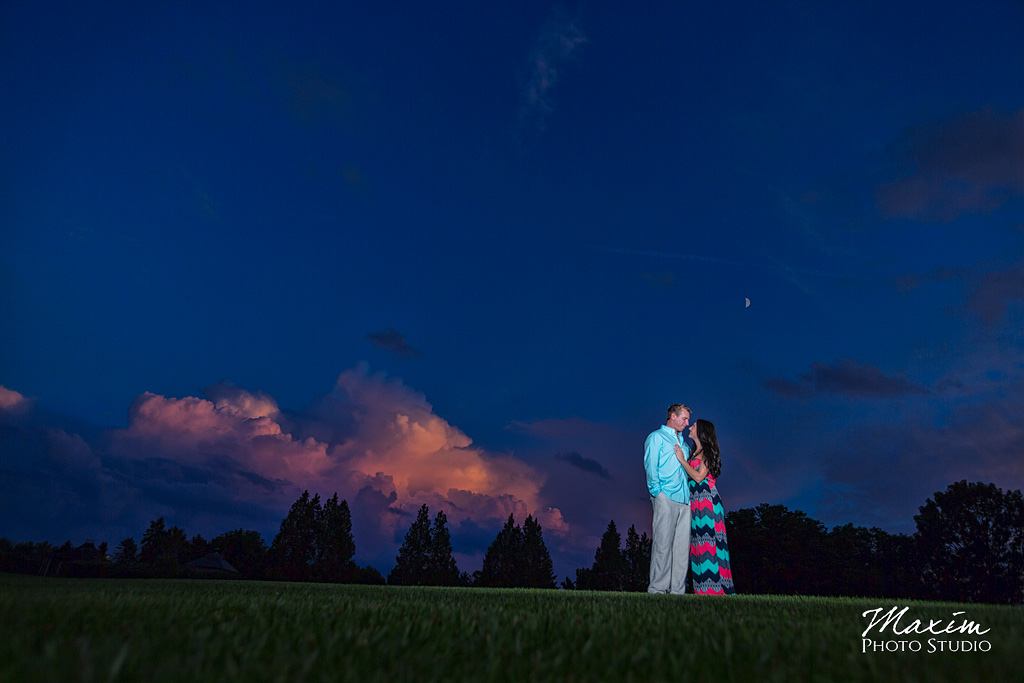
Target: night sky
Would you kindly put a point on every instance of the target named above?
(466, 254)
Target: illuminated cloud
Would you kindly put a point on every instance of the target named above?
(195, 430)
(374, 441)
(973, 163)
(211, 463)
(13, 403)
(392, 430)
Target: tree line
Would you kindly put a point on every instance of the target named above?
(968, 547)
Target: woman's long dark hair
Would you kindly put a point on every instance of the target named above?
(709, 443)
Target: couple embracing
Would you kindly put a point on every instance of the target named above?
(689, 521)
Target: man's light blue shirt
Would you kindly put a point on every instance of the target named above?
(664, 473)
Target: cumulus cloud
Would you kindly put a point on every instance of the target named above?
(235, 455)
(845, 377)
(973, 163)
(393, 432)
(393, 341)
(558, 44)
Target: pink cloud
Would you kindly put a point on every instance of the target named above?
(374, 434)
(14, 403)
(194, 430)
(393, 431)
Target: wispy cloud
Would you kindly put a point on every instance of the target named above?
(973, 163)
(394, 341)
(845, 377)
(558, 44)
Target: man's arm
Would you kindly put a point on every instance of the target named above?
(651, 461)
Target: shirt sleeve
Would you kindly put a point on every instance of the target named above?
(651, 451)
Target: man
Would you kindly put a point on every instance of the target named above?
(670, 497)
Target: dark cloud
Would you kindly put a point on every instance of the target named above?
(394, 341)
(989, 290)
(585, 464)
(845, 377)
(973, 163)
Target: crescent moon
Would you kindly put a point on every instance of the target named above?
(747, 303)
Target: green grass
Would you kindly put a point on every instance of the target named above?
(164, 630)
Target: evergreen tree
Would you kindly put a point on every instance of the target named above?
(502, 564)
(638, 560)
(443, 569)
(154, 541)
(610, 572)
(126, 551)
(294, 547)
(335, 546)
(537, 569)
(197, 547)
(412, 566)
(162, 547)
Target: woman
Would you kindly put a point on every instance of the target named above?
(709, 549)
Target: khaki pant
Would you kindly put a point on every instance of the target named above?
(670, 546)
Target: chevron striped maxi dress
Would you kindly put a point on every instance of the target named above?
(709, 549)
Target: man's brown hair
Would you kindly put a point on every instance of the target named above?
(675, 408)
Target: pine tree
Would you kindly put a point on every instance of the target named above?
(162, 547)
(502, 562)
(294, 547)
(197, 547)
(126, 550)
(609, 571)
(638, 560)
(537, 568)
(412, 566)
(335, 545)
(154, 541)
(443, 569)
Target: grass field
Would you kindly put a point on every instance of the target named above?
(164, 630)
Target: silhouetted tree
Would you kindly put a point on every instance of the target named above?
(412, 566)
(502, 562)
(443, 569)
(246, 551)
(537, 568)
(335, 545)
(126, 551)
(775, 550)
(294, 548)
(638, 560)
(971, 544)
(197, 547)
(610, 571)
(163, 548)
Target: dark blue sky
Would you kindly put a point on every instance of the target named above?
(467, 255)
